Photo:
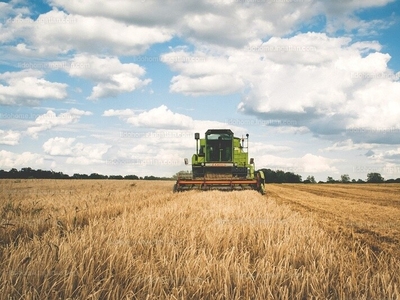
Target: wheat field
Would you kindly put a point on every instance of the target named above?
(105, 239)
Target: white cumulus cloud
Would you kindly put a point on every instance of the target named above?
(110, 75)
(58, 32)
(222, 22)
(308, 163)
(323, 84)
(77, 152)
(10, 160)
(9, 137)
(159, 117)
(50, 119)
(28, 87)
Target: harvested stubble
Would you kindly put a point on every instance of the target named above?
(112, 240)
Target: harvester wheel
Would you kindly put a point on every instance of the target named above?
(261, 180)
(262, 189)
(175, 188)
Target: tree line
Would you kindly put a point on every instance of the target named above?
(279, 176)
(29, 173)
(372, 177)
(271, 176)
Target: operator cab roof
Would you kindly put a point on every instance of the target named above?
(219, 131)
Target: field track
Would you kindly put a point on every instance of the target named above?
(368, 212)
(110, 239)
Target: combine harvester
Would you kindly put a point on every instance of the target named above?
(221, 163)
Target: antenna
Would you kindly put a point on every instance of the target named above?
(197, 137)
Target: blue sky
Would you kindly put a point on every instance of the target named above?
(120, 89)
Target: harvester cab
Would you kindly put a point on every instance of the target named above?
(221, 162)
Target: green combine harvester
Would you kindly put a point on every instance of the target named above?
(221, 163)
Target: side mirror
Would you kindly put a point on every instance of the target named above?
(251, 161)
(186, 161)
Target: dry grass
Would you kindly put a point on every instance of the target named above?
(119, 240)
(370, 213)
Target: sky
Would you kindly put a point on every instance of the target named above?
(120, 87)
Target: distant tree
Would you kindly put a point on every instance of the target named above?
(26, 171)
(375, 178)
(393, 180)
(152, 177)
(353, 180)
(97, 176)
(360, 181)
(182, 174)
(13, 173)
(292, 178)
(270, 176)
(131, 177)
(330, 180)
(310, 179)
(280, 176)
(345, 178)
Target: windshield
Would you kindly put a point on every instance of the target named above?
(219, 147)
(217, 136)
